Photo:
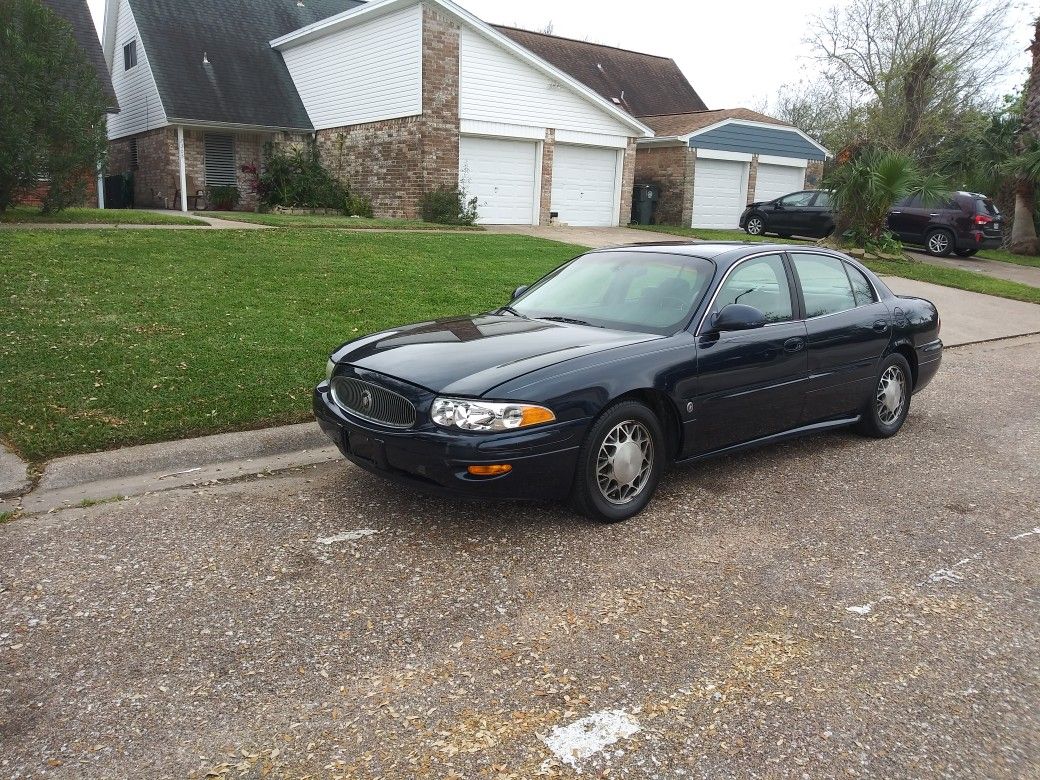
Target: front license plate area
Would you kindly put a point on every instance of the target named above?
(367, 448)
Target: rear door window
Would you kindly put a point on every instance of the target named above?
(861, 286)
(825, 285)
(823, 200)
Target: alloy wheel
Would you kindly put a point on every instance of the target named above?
(624, 462)
(891, 395)
(939, 243)
(755, 226)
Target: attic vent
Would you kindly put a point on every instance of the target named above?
(205, 58)
(599, 66)
(133, 154)
(220, 161)
(616, 101)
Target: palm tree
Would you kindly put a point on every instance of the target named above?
(1023, 229)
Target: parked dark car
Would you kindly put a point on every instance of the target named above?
(807, 213)
(623, 361)
(961, 223)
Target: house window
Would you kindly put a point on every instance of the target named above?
(133, 154)
(129, 55)
(220, 161)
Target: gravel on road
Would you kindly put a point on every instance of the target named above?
(830, 607)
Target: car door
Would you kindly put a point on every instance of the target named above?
(790, 214)
(909, 219)
(819, 215)
(848, 330)
(750, 383)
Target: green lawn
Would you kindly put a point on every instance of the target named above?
(79, 216)
(708, 234)
(114, 338)
(1006, 257)
(331, 221)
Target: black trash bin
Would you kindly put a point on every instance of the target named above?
(644, 203)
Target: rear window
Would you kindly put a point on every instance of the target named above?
(986, 206)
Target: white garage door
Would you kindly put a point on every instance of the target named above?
(500, 174)
(717, 189)
(584, 185)
(776, 180)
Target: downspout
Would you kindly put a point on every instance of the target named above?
(180, 164)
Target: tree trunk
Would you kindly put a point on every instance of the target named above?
(1023, 229)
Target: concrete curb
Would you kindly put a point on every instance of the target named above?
(14, 474)
(154, 467)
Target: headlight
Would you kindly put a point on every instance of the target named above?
(330, 366)
(487, 416)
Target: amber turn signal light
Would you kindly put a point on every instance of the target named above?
(489, 471)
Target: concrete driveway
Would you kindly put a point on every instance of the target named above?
(832, 607)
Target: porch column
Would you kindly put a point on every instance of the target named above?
(100, 188)
(180, 166)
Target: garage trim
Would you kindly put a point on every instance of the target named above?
(717, 154)
(794, 162)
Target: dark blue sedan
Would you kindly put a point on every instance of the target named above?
(623, 361)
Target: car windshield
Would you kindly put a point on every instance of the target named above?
(638, 291)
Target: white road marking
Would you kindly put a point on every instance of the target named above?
(590, 735)
(347, 536)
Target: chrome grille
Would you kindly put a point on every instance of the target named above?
(372, 402)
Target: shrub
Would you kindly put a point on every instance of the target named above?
(222, 198)
(449, 206)
(357, 206)
(296, 178)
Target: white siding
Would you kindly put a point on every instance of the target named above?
(362, 74)
(497, 86)
(139, 106)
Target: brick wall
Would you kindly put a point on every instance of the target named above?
(36, 195)
(752, 179)
(670, 168)
(813, 174)
(395, 161)
(628, 177)
(548, 155)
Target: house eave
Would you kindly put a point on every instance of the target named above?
(688, 137)
(204, 124)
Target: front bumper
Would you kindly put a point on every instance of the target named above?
(435, 459)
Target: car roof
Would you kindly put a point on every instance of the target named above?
(708, 250)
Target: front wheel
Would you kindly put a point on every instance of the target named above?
(619, 464)
(939, 243)
(756, 225)
(889, 404)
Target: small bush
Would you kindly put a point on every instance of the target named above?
(357, 206)
(295, 178)
(449, 206)
(222, 198)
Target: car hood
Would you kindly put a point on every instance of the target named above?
(471, 355)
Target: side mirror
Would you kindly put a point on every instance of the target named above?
(519, 291)
(778, 206)
(737, 316)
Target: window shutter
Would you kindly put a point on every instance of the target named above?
(220, 161)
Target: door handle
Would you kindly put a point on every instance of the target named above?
(880, 326)
(895, 212)
(794, 345)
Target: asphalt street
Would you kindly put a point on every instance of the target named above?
(830, 607)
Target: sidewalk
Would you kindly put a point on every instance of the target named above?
(1023, 274)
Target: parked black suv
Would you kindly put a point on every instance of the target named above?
(806, 213)
(961, 223)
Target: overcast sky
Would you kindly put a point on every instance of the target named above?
(735, 53)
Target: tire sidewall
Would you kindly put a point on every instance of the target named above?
(587, 497)
(874, 424)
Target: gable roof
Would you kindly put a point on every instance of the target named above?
(77, 14)
(212, 62)
(643, 84)
(373, 8)
(685, 123)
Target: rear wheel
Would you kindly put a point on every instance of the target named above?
(889, 404)
(939, 243)
(619, 464)
(756, 225)
(965, 252)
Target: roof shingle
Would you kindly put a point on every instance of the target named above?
(245, 81)
(681, 124)
(642, 84)
(77, 14)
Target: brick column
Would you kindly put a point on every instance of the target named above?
(628, 181)
(548, 154)
(690, 169)
(440, 100)
(813, 174)
(752, 179)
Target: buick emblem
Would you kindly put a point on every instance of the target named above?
(366, 400)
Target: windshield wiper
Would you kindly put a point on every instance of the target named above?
(570, 321)
(513, 311)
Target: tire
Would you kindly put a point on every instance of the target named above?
(965, 252)
(939, 243)
(881, 417)
(597, 492)
(756, 225)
